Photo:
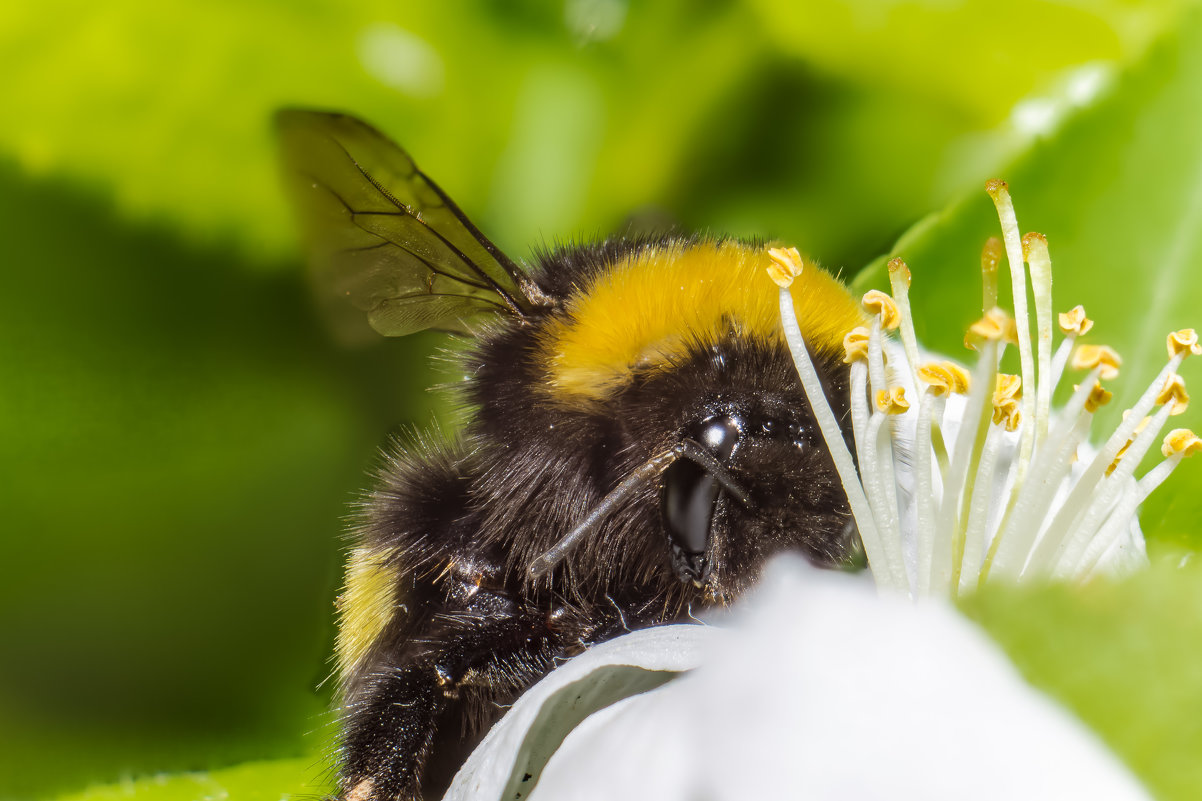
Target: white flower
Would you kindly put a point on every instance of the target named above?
(818, 690)
(509, 761)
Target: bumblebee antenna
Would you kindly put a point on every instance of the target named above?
(653, 467)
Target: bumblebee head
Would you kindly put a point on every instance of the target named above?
(753, 476)
(762, 484)
(678, 348)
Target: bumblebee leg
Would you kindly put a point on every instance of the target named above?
(387, 734)
(470, 660)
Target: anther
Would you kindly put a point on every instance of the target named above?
(1006, 397)
(944, 378)
(1098, 397)
(1074, 323)
(1087, 357)
(877, 302)
(892, 400)
(786, 266)
(1009, 413)
(1184, 342)
(855, 345)
(995, 326)
(1174, 392)
(1118, 457)
(1181, 441)
(1008, 388)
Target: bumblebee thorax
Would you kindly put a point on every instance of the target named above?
(651, 308)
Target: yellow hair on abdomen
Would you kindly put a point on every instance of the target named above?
(647, 308)
(366, 606)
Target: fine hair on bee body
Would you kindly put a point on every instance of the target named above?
(636, 446)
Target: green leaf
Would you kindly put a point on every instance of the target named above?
(257, 781)
(763, 119)
(182, 444)
(168, 111)
(1122, 656)
(1118, 192)
(909, 45)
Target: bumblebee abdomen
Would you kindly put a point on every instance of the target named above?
(411, 526)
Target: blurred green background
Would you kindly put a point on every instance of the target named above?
(182, 437)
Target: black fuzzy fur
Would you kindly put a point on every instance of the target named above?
(463, 519)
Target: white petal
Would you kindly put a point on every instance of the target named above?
(819, 689)
(1126, 555)
(515, 750)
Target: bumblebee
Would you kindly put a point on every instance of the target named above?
(637, 446)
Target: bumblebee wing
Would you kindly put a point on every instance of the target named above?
(383, 235)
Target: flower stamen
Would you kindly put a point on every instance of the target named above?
(1174, 393)
(1018, 284)
(1098, 397)
(890, 573)
(944, 378)
(1086, 357)
(878, 303)
(1074, 322)
(991, 257)
(1181, 442)
(1035, 251)
(1184, 343)
(994, 326)
(899, 282)
(786, 266)
(855, 345)
(892, 401)
(1002, 497)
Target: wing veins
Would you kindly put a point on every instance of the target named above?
(420, 295)
(320, 184)
(404, 211)
(471, 229)
(428, 281)
(429, 265)
(416, 255)
(503, 261)
(382, 243)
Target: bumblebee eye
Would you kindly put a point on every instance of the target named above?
(688, 504)
(720, 435)
(689, 494)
